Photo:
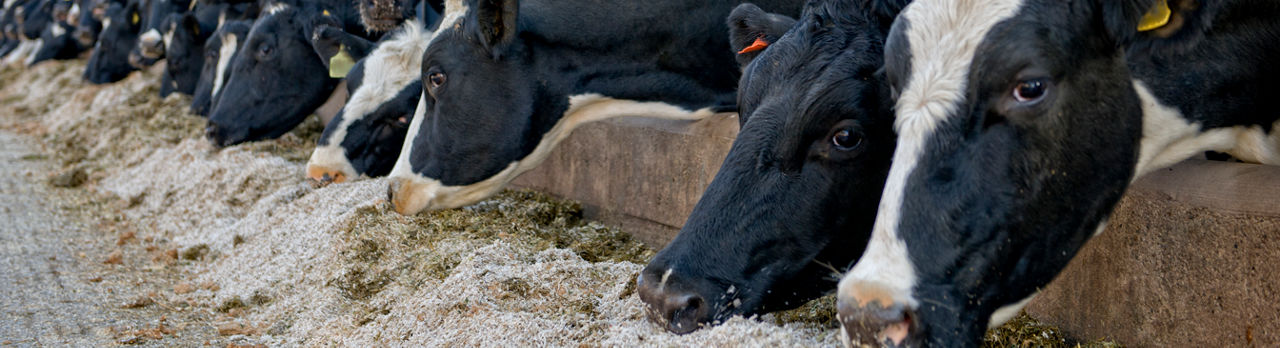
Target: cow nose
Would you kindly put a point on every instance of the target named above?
(324, 174)
(214, 134)
(678, 311)
(869, 315)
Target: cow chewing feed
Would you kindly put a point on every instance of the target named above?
(1021, 123)
(87, 25)
(276, 79)
(366, 136)
(505, 82)
(797, 194)
(184, 61)
(219, 48)
(151, 40)
(56, 43)
(109, 61)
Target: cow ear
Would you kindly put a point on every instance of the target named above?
(338, 49)
(191, 24)
(132, 14)
(496, 24)
(1124, 18)
(751, 30)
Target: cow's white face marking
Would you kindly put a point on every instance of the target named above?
(943, 36)
(276, 8)
(225, 52)
(106, 23)
(413, 193)
(168, 36)
(73, 15)
(151, 37)
(391, 67)
(57, 30)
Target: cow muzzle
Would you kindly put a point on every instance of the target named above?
(151, 44)
(869, 316)
(84, 36)
(678, 311)
(325, 175)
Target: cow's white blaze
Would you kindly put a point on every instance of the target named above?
(168, 36)
(150, 38)
(225, 52)
(73, 14)
(391, 67)
(943, 36)
(413, 193)
(57, 30)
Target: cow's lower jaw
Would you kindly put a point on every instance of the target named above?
(329, 164)
(412, 194)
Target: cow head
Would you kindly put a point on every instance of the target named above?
(152, 42)
(497, 104)
(56, 43)
(276, 80)
(109, 61)
(87, 24)
(218, 51)
(1019, 129)
(797, 193)
(185, 53)
(366, 136)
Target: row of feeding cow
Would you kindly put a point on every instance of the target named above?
(947, 156)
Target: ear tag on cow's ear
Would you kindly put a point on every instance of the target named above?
(1156, 18)
(340, 64)
(757, 45)
(326, 13)
(134, 19)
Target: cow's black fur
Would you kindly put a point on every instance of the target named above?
(788, 205)
(109, 61)
(203, 98)
(1006, 193)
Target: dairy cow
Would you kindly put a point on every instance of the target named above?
(88, 24)
(506, 81)
(219, 48)
(109, 60)
(277, 79)
(151, 41)
(796, 196)
(366, 136)
(1021, 123)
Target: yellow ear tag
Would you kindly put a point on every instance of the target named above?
(134, 18)
(1156, 18)
(326, 13)
(340, 64)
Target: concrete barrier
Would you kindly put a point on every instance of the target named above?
(1189, 258)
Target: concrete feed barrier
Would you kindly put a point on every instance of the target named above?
(1189, 258)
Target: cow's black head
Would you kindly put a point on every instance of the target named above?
(219, 49)
(366, 136)
(276, 80)
(36, 16)
(185, 53)
(87, 25)
(501, 93)
(1019, 128)
(109, 61)
(56, 43)
(797, 193)
(156, 18)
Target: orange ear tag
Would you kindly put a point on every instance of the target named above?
(1157, 18)
(757, 45)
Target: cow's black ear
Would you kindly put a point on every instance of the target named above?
(496, 23)
(132, 14)
(751, 30)
(1123, 18)
(338, 49)
(191, 24)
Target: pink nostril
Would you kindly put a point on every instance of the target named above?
(870, 322)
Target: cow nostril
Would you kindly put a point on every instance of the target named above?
(684, 313)
(873, 323)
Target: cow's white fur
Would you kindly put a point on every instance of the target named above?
(225, 52)
(944, 36)
(1167, 138)
(413, 193)
(73, 14)
(392, 66)
(57, 30)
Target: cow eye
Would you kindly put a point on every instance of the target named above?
(437, 79)
(265, 50)
(1030, 91)
(846, 139)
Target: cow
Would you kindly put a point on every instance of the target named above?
(505, 82)
(9, 26)
(88, 25)
(219, 48)
(366, 135)
(1021, 123)
(184, 52)
(797, 193)
(277, 79)
(109, 60)
(56, 43)
(32, 17)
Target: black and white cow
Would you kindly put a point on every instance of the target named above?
(88, 25)
(184, 52)
(32, 18)
(277, 79)
(505, 82)
(1021, 123)
(151, 41)
(56, 42)
(109, 61)
(796, 195)
(10, 27)
(218, 51)
(366, 136)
